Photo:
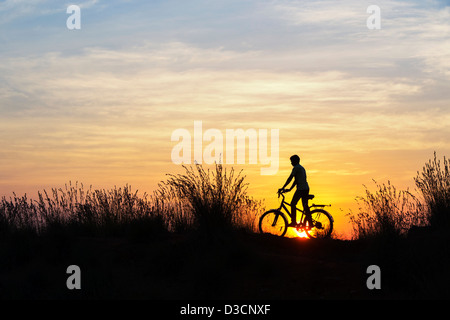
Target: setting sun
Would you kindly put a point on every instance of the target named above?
(301, 234)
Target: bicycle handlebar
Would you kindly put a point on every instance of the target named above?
(281, 193)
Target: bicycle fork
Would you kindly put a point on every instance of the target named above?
(275, 220)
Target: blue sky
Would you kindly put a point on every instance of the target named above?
(99, 104)
(231, 24)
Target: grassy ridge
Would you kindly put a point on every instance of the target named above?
(388, 212)
(193, 238)
(207, 201)
(79, 211)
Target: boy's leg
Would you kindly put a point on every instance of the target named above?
(305, 194)
(294, 201)
(306, 211)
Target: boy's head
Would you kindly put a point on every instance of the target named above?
(295, 159)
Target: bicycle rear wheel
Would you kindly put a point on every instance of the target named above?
(273, 222)
(322, 224)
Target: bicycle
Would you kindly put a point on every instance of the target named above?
(275, 221)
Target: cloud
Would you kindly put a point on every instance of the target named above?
(129, 91)
(88, 4)
(175, 73)
(334, 35)
(11, 10)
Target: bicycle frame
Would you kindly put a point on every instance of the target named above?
(284, 203)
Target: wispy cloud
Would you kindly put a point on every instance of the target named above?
(11, 10)
(129, 90)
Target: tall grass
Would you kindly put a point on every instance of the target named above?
(387, 212)
(85, 211)
(434, 184)
(199, 199)
(212, 201)
(390, 212)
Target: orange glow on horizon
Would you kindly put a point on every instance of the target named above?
(301, 234)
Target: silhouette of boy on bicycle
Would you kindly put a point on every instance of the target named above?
(299, 175)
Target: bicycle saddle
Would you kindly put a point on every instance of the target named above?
(311, 196)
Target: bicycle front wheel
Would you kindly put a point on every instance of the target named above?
(322, 224)
(273, 222)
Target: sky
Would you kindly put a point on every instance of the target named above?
(99, 104)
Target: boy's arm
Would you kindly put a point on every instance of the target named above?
(287, 182)
(292, 187)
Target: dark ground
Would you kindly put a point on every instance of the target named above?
(238, 266)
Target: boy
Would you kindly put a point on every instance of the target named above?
(299, 174)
